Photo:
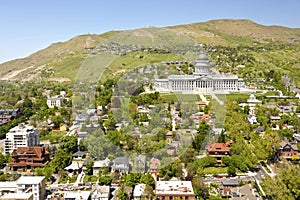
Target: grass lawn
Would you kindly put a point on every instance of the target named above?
(88, 178)
(53, 136)
(168, 97)
(215, 170)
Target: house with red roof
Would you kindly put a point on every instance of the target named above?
(219, 150)
(29, 157)
(288, 150)
(154, 166)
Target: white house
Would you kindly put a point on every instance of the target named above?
(100, 164)
(101, 193)
(138, 191)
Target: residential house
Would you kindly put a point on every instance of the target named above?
(21, 136)
(140, 164)
(100, 193)
(121, 164)
(219, 150)
(138, 191)
(227, 186)
(101, 164)
(154, 166)
(8, 114)
(169, 136)
(168, 190)
(288, 150)
(252, 119)
(29, 157)
(259, 129)
(172, 148)
(55, 101)
(74, 167)
(79, 155)
(77, 195)
(201, 104)
(296, 137)
(275, 119)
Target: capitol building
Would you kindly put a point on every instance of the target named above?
(201, 81)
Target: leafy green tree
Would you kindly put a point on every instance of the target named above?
(89, 168)
(148, 193)
(122, 194)
(187, 156)
(69, 144)
(57, 120)
(285, 185)
(105, 180)
(132, 179)
(231, 169)
(148, 180)
(201, 191)
(62, 159)
(204, 128)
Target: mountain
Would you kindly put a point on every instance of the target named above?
(61, 61)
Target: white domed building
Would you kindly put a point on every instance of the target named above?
(201, 81)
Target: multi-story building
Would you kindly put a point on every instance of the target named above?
(33, 184)
(26, 187)
(168, 190)
(21, 136)
(29, 157)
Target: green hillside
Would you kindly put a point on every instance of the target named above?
(260, 48)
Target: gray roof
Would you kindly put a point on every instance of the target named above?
(79, 153)
(121, 160)
(229, 182)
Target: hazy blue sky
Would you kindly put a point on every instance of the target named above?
(27, 26)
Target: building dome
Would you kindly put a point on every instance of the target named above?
(202, 57)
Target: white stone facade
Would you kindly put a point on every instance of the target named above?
(202, 81)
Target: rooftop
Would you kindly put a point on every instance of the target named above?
(30, 180)
(174, 187)
(17, 196)
(219, 147)
(102, 163)
(79, 195)
(139, 190)
(230, 182)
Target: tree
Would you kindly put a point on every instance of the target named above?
(187, 156)
(57, 120)
(148, 180)
(69, 144)
(231, 169)
(204, 128)
(89, 168)
(105, 180)
(285, 185)
(62, 159)
(132, 179)
(148, 193)
(122, 194)
(201, 191)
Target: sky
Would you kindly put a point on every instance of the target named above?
(31, 25)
